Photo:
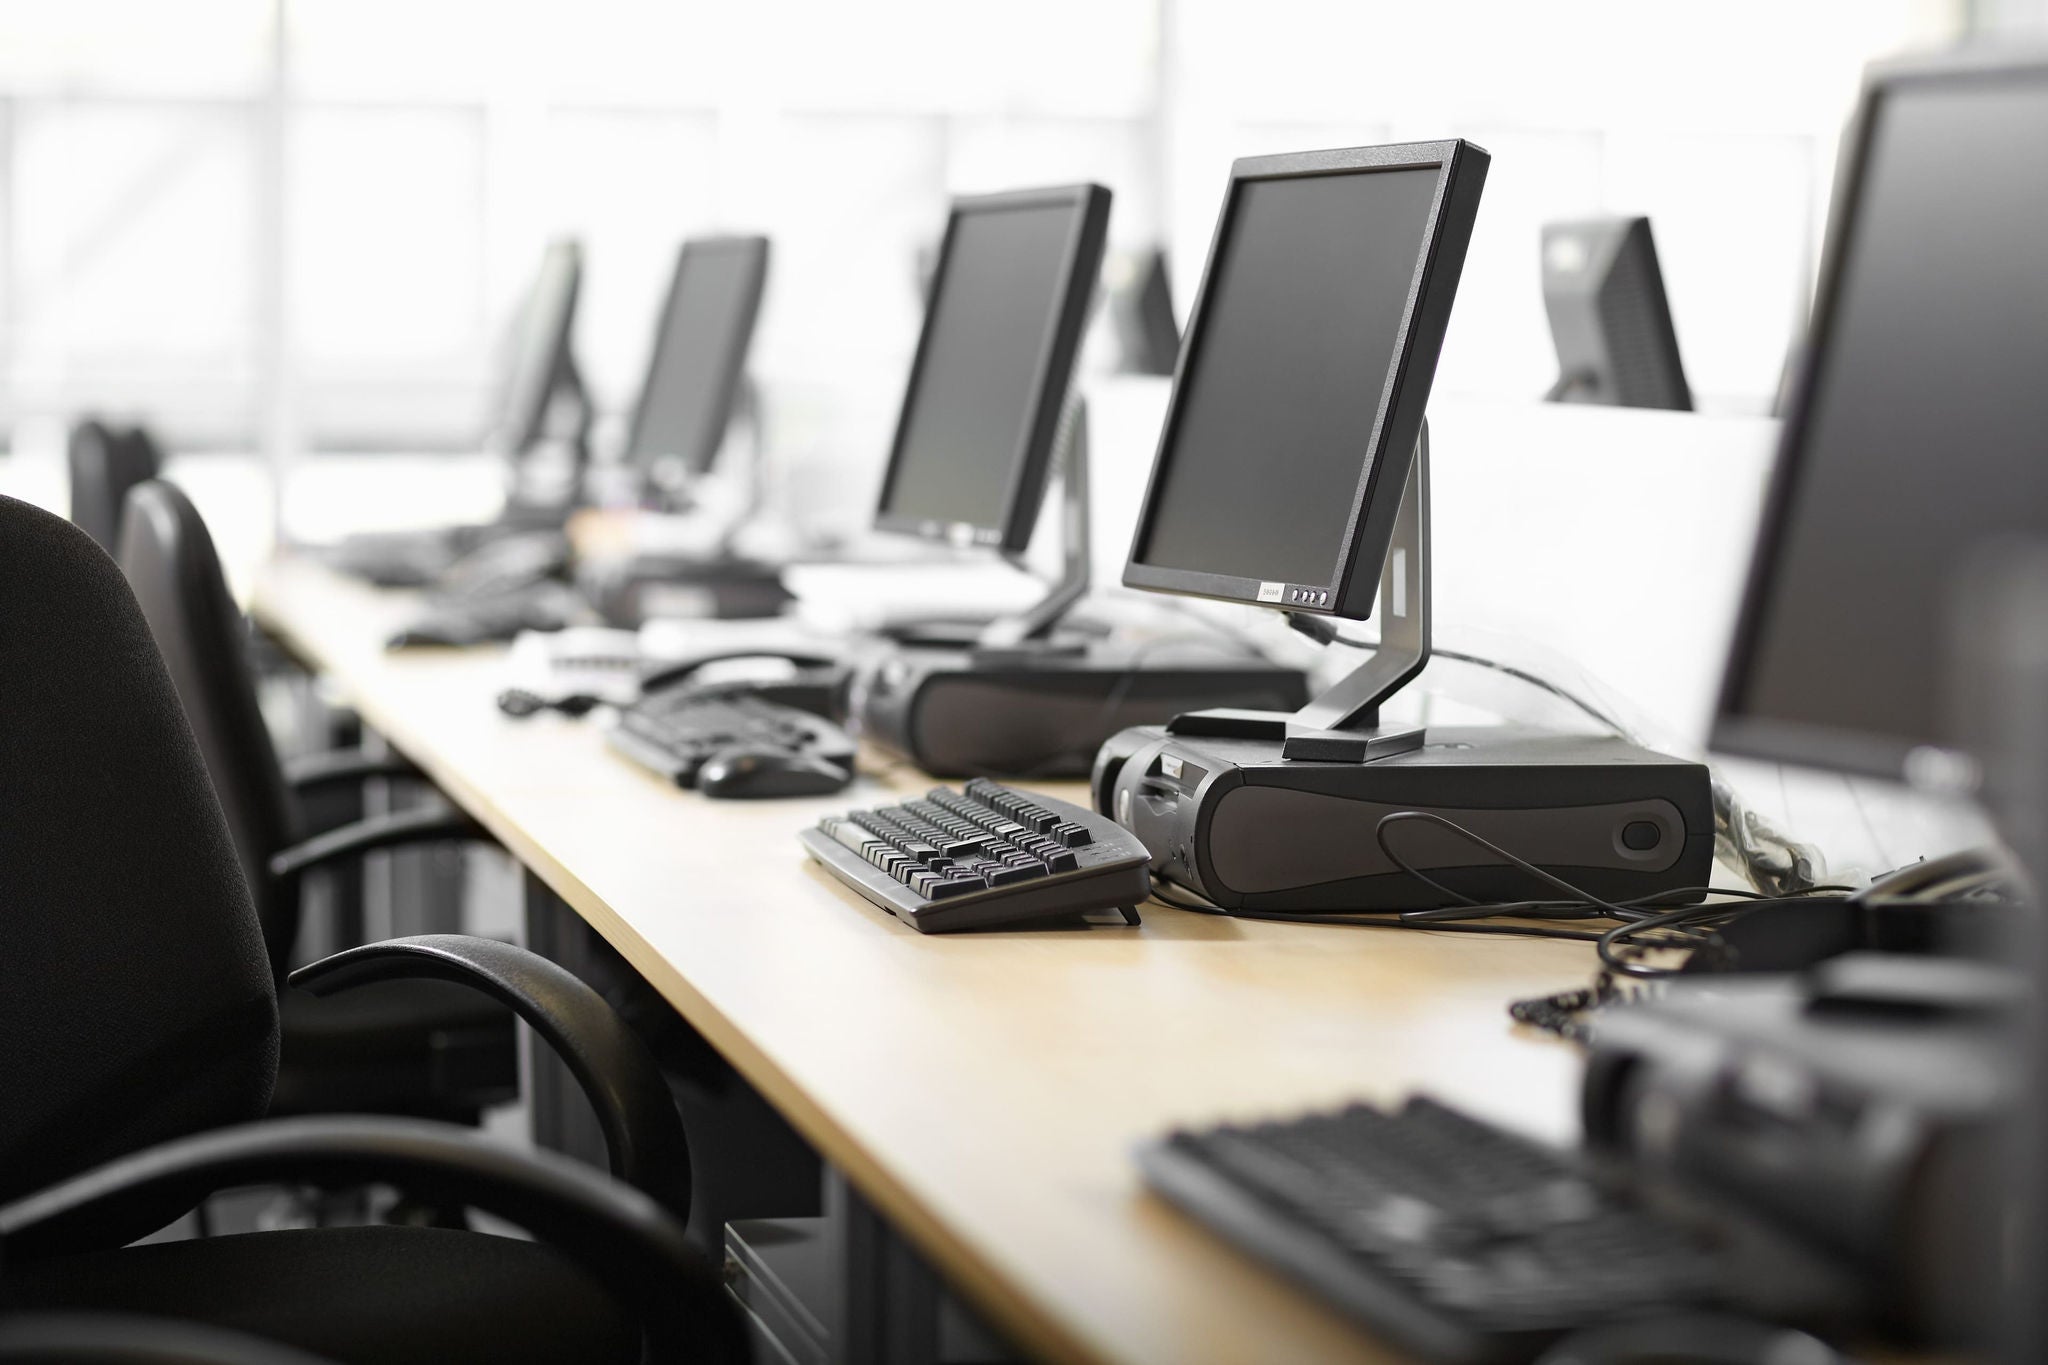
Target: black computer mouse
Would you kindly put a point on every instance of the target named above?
(750, 773)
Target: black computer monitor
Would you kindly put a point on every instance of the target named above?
(699, 359)
(1306, 372)
(1141, 311)
(974, 438)
(1919, 423)
(1609, 317)
(540, 361)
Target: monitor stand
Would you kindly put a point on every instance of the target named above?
(1342, 724)
(1022, 698)
(1034, 631)
(531, 508)
(1282, 810)
(721, 584)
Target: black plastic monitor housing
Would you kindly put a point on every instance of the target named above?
(1141, 310)
(1030, 468)
(1735, 731)
(529, 396)
(1610, 317)
(1389, 451)
(751, 255)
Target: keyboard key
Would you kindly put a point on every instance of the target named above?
(952, 859)
(1010, 874)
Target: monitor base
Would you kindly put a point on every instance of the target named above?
(1366, 743)
(1249, 827)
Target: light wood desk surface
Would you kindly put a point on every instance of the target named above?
(984, 1091)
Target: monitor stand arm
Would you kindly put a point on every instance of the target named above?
(747, 410)
(1030, 631)
(572, 386)
(1342, 724)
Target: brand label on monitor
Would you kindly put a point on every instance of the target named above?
(1272, 592)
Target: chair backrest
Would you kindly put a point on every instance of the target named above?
(136, 999)
(106, 463)
(172, 566)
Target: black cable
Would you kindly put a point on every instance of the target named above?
(1682, 926)
(520, 703)
(1379, 834)
(1318, 629)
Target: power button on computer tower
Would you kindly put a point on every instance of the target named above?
(1641, 835)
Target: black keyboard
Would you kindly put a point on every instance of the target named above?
(1467, 1243)
(986, 855)
(676, 731)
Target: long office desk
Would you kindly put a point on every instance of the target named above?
(984, 1091)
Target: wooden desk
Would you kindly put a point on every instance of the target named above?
(982, 1091)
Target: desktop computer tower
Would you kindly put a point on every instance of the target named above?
(1248, 829)
(958, 713)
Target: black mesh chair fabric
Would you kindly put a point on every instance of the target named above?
(136, 996)
(176, 576)
(360, 1295)
(107, 462)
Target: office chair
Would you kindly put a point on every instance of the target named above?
(139, 1039)
(128, 1339)
(421, 1048)
(106, 462)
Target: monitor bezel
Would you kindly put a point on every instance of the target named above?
(1735, 731)
(1352, 589)
(529, 430)
(1080, 267)
(754, 250)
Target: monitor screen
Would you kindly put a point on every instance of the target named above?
(1013, 281)
(1289, 364)
(540, 347)
(1922, 432)
(700, 353)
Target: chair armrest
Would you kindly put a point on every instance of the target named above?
(130, 1339)
(643, 1131)
(310, 772)
(616, 1234)
(431, 824)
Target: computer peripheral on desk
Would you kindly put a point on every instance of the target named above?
(762, 748)
(722, 586)
(1692, 1339)
(988, 855)
(403, 559)
(816, 683)
(1466, 1243)
(501, 566)
(741, 773)
(542, 606)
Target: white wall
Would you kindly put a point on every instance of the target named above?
(304, 221)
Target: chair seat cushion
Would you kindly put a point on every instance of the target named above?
(356, 1295)
(433, 1049)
